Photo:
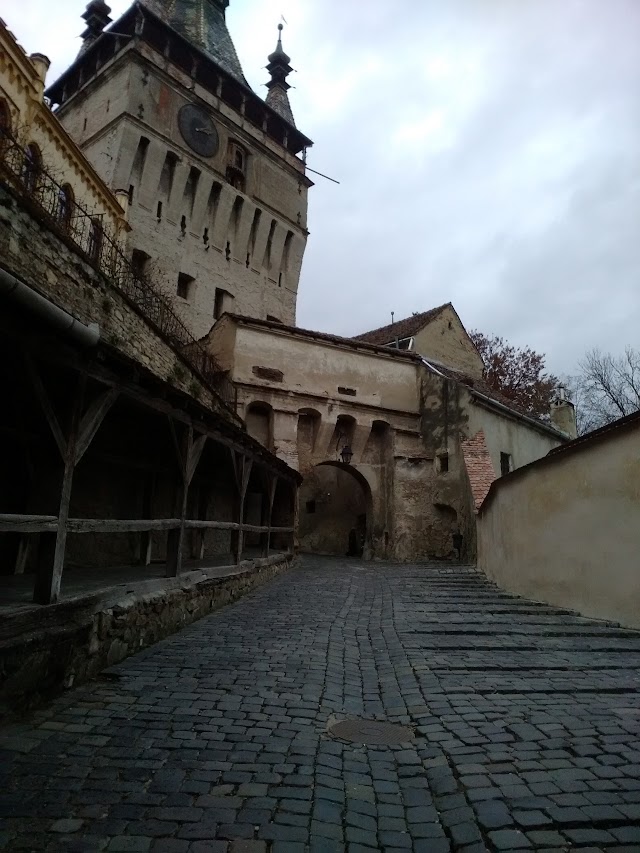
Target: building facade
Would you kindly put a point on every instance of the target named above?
(424, 440)
(214, 175)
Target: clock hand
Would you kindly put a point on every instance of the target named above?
(204, 130)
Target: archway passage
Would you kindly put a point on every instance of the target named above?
(335, 511)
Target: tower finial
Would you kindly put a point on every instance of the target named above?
(278, 87)
(97, 18)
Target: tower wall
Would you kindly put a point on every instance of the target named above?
(233, 248)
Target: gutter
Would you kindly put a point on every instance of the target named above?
(489, 401)
(531, 421)
(57, 318)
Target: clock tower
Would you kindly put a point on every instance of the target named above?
(215, 175)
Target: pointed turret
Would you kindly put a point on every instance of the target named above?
(203, 23)
(279, 68)
(97, 18)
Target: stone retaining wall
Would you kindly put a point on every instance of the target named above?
(47, 649)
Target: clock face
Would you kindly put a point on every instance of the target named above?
(198, 130)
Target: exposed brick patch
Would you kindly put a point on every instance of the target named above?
(272, 374)
(479, 467)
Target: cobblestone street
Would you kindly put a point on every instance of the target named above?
(525, 719)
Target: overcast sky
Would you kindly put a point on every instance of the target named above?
(488, 153)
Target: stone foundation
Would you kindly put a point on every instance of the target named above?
(46, 649)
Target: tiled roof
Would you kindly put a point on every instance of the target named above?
(403, 328)
(202, 22)
(278, 100)
(324, 336)
(479, 467)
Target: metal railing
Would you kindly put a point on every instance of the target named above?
(23, 170)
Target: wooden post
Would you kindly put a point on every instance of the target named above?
(242, 469)
(49, 572)
(72, 448)
(145, 541)
(267, 512)
(198, 542)
(188, 457)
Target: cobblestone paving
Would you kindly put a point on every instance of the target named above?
(526, 725)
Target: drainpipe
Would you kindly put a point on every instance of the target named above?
(61, 321)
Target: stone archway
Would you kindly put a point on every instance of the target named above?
(336, 509)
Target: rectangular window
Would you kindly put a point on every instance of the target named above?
(443, 463)
(349, 392)
(311, 507)
(222, 302)
(505, 463)
(185, 285)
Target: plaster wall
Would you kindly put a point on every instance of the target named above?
(506, 434)
(445, 340)
(379, 381)
(567, 531)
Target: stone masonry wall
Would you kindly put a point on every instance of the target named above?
(33, 253)
(49, 649)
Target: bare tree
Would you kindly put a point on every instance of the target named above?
(606, 388)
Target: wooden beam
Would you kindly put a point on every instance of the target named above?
(45, 404)
(121, 525)
(194, 457)
(14, 523)
(92, 419)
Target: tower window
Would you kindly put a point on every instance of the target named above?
(185, 286)
(505, 463)
(222, 302)
(443, 463)
(236, 165)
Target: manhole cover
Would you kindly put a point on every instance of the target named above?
(371, 732)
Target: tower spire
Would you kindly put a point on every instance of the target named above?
(279, 69)
(97, 18)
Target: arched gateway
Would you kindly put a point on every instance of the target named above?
(336, 510)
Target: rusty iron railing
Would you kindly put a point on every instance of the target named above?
(23, 170)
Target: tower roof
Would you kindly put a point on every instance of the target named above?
(279, 68)
(203, 23)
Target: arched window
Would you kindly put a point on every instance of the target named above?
(5, 120)
(32, 167)
(64, 207)
(95, 238)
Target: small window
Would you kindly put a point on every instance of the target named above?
(350, 392)
(139, 262)
(31, 168)
(96, 235)
(443, 463)
(185, 285)
(64, 207)
(222, 302)
(311, 507)
(505, 463)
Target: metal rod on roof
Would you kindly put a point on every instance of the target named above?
(309, 169)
